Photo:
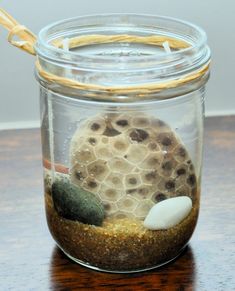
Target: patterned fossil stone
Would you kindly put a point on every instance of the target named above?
(131, 162)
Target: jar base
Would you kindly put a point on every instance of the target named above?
(121, 271)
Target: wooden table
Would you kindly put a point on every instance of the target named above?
(29, 259)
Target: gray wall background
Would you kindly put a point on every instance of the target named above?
(19, 106)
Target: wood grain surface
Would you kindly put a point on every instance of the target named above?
(29, 259)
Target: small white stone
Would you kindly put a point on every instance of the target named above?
(168, 213)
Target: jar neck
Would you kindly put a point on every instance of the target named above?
(124, 63)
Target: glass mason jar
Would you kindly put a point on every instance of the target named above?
(122, 106)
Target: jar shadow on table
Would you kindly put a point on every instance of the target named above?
(180, 273)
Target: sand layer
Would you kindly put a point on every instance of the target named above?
(120, 244)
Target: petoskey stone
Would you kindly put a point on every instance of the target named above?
(131, 162)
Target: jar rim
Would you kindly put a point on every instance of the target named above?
(146, 75)
(48, 51)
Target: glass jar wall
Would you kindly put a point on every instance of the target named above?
(122, 171)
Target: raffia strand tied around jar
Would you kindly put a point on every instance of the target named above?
(27, 42)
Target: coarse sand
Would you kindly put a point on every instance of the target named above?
(120, 244)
